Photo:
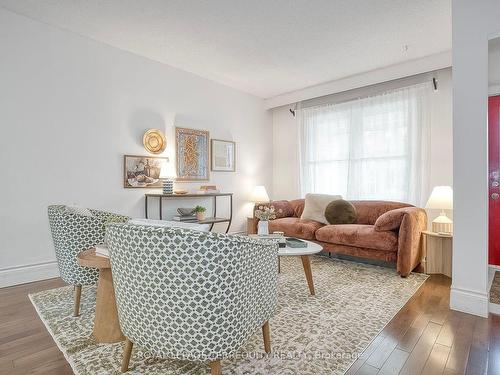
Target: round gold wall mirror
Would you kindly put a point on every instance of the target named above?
(154, 141)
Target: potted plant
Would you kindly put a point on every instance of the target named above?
(264, 214)
(200, 213)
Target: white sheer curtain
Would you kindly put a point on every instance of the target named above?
(371, 148)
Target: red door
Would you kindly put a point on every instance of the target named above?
(494, 179)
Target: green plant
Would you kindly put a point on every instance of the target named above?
(199, 209)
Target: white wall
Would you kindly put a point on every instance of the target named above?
(494, 66)
(285, 143)
(70, 108)
(474, 22)
(285, 154)
(388, 73)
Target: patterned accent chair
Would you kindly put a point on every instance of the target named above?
(191, 295)
(73, 233)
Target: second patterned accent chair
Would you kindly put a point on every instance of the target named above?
(190, 295)
(73, 233)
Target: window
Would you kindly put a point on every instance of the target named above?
(371, 148)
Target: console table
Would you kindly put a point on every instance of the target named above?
(209, 220)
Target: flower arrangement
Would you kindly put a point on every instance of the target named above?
(265, 213)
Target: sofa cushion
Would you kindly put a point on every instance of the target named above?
(282, 208)
(391, 220)
(340, 212)
(295, 227)
(315, 206)
(298, 206)
(358, 235)
(369, 211)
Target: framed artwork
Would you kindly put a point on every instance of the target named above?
(142, 171)
(223, 156)
(191, 147)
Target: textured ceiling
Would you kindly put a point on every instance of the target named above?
(264, 47)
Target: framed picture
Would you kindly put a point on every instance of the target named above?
(191, 147)
(223, 156)
(142, 171)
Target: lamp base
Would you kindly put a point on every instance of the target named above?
(168, 186)
(442, 224)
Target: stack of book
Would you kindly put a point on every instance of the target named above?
(185, 218)
(208, 189)
(295, 243)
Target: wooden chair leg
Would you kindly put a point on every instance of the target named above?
(127, 352)
(267, 337)
(78, 295)
(215, 367)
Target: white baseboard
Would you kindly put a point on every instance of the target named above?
(470, 302)
(28, 273)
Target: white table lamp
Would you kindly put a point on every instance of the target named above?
(167, 175)
(259, 194)
(441, 199)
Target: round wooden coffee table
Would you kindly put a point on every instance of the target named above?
(304, 253)
(106, 324)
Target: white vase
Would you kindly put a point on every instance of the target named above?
(263, 228)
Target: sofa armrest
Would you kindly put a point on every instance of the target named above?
(391, 220)
(282, 208)
(413, 222)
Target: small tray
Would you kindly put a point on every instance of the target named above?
(295, 243)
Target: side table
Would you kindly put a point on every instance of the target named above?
(106, 324)
(437, 252)
(251, 225)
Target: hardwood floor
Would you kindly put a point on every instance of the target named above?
(25, 345)
(425, 337)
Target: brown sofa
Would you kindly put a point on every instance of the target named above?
(386, 231)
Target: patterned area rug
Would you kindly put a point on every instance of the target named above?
(323, 334)
(495, 289)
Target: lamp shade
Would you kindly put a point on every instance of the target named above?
(167, 170)
(441, 198)
(259, 194)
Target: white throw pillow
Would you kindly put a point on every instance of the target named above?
(78, 210)
(166, 223)
(315, 206)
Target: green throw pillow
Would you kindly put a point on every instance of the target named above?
(340, 212)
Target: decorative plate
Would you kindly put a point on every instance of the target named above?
(154, 141)
(180, 191)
